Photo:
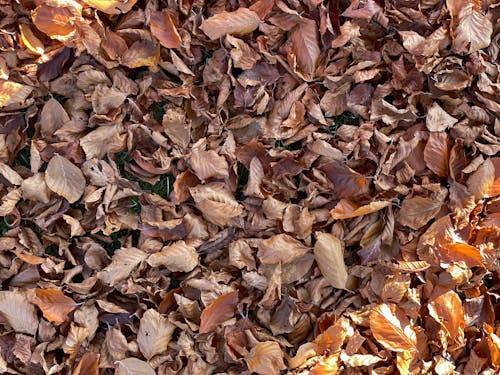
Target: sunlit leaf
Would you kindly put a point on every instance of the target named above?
(329, 257)
(163, 28)
(265, 358)
(240, 22)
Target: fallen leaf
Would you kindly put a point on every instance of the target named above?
(392, 329)
(88, 365)
(240, 22)
(473, 31)
(163, 28)
(13, 93)
(218, 311)
(437, 153)
(155, 332)
(305, 46)
(65, 178)
(112, 6)
(53, 21)
(134, 366)
(265, 358)
(329, 257)
(461, 252)
(16, 310)
(417, 211)
(346, 209)
(54, 304)
(177, 257)
(280, 248)
(446, 308)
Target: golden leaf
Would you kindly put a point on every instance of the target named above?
(54, 304)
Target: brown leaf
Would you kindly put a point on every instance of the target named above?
(480, 182)
(163, 28)
(32, 43)
(415, 212)
(219, 311)
(446, 308)
(65, 178)
(346, 209)
(346, 182)
(206, 164)
(177, 257)
(18, 312)
(88, 365)
(392, 329)
(240, 22)
(155, 332)
(473, 30)
(305, 47)
(141, 53)
(54, 304)
(438, 119)
(437, 153)
(134, 366)
(265, 358)
(124, 261)
(329, 257)
(281, 248)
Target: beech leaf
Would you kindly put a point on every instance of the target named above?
(54, 304)
(65, 178)
(218, 311)
(240, 22)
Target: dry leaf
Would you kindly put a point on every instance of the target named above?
(134, 366)
(305, 46)
(177, 257)
(18, 312)
(461, 252)
(438, 119)
(163, 28)
(155, 332)
(415, 212)
(265, 358)
(480, 182)
(13, 93)
(206, 164)
(112, 6)
(329, 257)
(218, 311)
(446, 308)
(53, 21)
(54, 304)
(88, 365)
(124, 261)
(346, 209)
(240, 22)
(437, 153)
(65, 178)
(392, 329)
(473, 30)
(281, 248)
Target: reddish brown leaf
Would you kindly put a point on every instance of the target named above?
(346, 182)
(305, 47)
(218, 311)
(54, 304)
(437, 153)
(346, 209)
(163, 28)
(88, 365)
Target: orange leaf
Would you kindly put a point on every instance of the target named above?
(54, 304)
(163, 28)
(88, 365)
(392, 329)
(218, 311)
(346, 209)
(447, 310)
(456, 252)
(53, 21)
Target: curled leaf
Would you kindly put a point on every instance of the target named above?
(54, 304)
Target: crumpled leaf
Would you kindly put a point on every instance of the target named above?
(265, 358)
(124, 261)
(18, 312)
(155, 332)
(240, 22)
(392, 329)
(473, 30)
(329, 257)
(177, 257)
(446, 308)
(54, 304)
(65, 178)
(218, 311)
(206, 164)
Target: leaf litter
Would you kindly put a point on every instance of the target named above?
(303, 187)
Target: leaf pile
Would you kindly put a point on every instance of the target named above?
(193, 187)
